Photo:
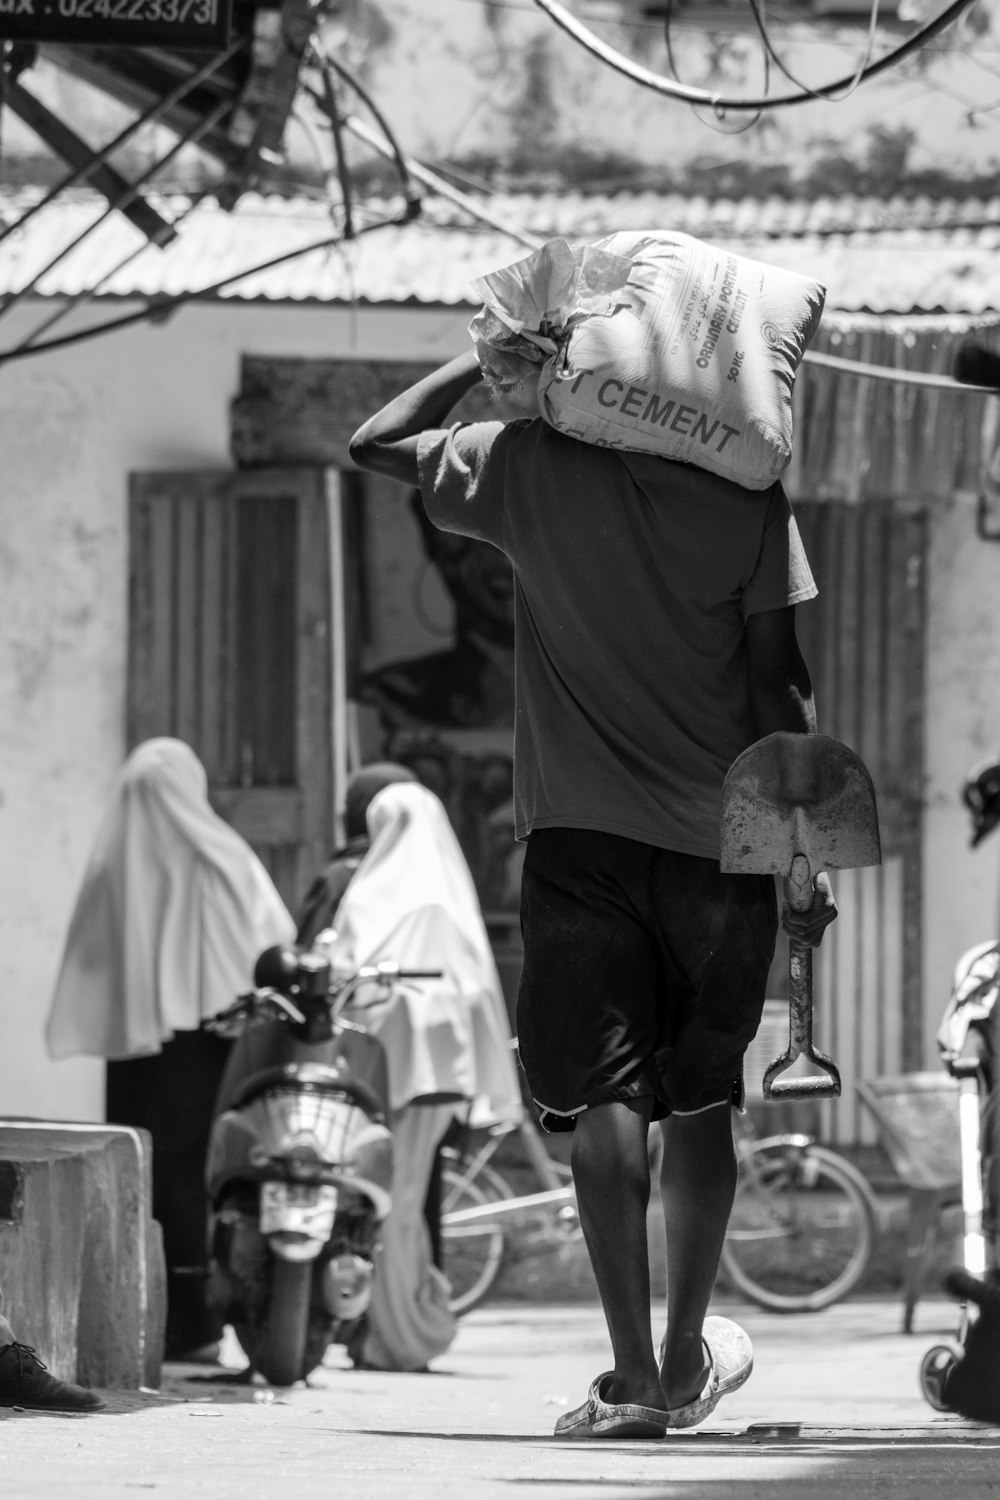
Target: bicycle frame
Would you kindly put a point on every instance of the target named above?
(557, 1191)
(554, 1207)
(540, 1161)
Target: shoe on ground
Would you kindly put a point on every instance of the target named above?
(598, 1418)
(730, 1359)
(25, 1381)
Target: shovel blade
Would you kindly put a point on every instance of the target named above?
(792, 794)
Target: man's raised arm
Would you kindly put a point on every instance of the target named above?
(387, 442)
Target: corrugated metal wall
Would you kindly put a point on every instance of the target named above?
(863, 641)
(872, 458)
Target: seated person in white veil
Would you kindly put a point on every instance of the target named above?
(448, 1044)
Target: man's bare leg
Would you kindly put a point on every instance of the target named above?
(697, 1182)
(611, 1173)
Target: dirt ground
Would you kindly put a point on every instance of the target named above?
(834, 1404)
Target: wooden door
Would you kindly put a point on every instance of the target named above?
(235, 646)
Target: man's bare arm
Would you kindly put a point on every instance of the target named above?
(387, 442)
(781, 695)
(781, 699)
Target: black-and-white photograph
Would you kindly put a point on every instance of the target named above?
(500, 748)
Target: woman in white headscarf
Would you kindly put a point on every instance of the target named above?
(173, 911)
(448, 1045)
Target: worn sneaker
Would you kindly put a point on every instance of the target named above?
(25, 1381)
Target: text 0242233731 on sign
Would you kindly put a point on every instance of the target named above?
(181, 24)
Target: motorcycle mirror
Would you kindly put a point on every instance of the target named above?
(981, 795)
(277, 968)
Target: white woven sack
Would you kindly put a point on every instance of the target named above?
(658, 343)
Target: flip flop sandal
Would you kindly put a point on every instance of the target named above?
(597, 1418)
(730, 1360)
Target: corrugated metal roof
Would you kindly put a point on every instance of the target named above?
(893, 256)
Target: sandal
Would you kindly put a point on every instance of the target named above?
(730, 1361)
(597, 1418)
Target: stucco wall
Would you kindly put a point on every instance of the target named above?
(75, 424)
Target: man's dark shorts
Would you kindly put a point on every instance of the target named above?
(644, 974)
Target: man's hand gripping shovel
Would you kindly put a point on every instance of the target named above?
(795, 805)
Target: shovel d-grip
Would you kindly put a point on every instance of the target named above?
(793, 805)
(826, 1084)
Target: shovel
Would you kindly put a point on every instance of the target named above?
(793, 805)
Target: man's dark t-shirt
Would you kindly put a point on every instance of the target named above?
(634, 577)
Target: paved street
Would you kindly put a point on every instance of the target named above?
(834, 1404)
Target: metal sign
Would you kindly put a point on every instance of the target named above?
(179, 24)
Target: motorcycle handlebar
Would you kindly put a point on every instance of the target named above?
(383, 974)
(268, 1003)
(387, 971)
(255, 1007)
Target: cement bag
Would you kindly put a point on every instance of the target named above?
(656, 343)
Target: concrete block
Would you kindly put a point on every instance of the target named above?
(81, 1260)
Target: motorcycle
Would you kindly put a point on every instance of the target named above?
(962, 1376)
(300, 1158)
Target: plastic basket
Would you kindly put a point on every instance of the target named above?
(917, 1115)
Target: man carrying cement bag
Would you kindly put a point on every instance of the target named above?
(654, 641)
(657, 343)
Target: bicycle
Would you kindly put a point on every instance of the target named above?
(478, 1205)
(800, 1237)
(803, 1225)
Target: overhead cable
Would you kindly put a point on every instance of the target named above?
(394, 151)
(440, 185)
(387, 147)
(131, 193)
(716, 120)
(533, 242)
(90, 292)
(149, 117)
(890, 372)
(161, 307)
(757, 7)
(720, 102)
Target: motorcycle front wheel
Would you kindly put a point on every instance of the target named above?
(281, 1349)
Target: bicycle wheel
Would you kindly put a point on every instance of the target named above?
(802, 1229)
(472, 1253)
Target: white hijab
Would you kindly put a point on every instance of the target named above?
(173, 911)
(413, 900)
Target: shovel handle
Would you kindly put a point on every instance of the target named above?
(800, 1043)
